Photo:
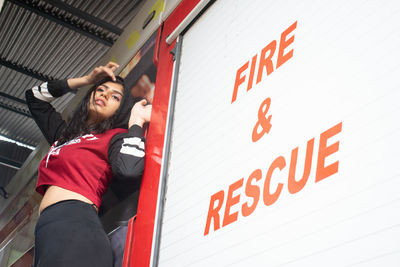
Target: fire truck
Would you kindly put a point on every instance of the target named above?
(273, 139)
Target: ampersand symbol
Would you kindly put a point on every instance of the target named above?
(263, 121)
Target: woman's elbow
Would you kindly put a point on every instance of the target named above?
(128, 173)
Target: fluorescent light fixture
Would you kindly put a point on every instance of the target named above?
(3, 138)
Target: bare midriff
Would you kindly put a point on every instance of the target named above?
(56, 194)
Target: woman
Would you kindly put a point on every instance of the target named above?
(87, 152)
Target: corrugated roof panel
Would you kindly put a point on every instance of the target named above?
(118, 13)
(15, 83)
(44, 55)
(24, 124)
(124, 20)
(19, 127)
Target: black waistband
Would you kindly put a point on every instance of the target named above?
(68, 201)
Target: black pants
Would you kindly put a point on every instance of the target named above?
(69, 234)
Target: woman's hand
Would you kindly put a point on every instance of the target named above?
(101, 72)
(140, 113)
(96, 75)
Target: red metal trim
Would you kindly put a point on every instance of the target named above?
(142, 241)
(140, 251)
(178, 15)
(129, 241)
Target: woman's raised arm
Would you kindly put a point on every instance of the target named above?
(46, 117)
(95, 76)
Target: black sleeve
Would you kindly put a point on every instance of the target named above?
(126, 155)
(49, 121)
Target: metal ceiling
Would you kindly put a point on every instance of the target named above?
(51, 39)
(11, 162)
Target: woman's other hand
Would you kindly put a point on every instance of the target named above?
(96, 75)
(140, 113)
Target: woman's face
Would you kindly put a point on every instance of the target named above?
(106, 101)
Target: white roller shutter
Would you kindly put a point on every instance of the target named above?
(342, 83)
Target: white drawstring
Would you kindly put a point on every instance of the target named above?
(55, 147)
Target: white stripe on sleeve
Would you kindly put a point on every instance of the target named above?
(133, 151)
(132, 141)
(127, 147)
(42, 93)
(45, 91)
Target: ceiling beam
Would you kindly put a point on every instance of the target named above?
(5, 161)
(16, 99)
(66, 21)
(13, 109)
(25, 70)
(85, 16)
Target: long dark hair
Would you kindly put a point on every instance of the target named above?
(77, 124)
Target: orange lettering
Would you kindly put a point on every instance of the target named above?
(266, 61)
(269, 198)
(283, 43)
(252, 191)
(293, 185)
(213, 212)
(239, 80)
(230, 201)
(252, 67)
(324, 151)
